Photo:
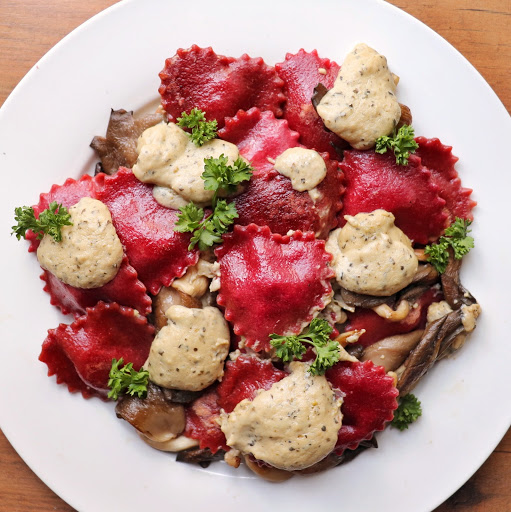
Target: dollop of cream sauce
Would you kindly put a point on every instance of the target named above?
(304, 167)
(291, 426)
(168, 158)
(371, 255)
(189, 352)
(362, 105)
(169, 198)
(90, 253)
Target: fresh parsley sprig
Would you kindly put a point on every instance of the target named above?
(208, 231)
(127, 380)
(409, 410)
(402, 143)
(456, 236)
(219, 177)
(317, 335)
(202, 130)
(50, 221)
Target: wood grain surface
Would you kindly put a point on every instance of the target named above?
(480, 30)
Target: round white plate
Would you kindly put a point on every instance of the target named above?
(96, 462)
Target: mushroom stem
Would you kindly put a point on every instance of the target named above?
(392, 351)
(393, 315)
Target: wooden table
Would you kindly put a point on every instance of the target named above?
(480, 30)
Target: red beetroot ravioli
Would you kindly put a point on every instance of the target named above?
(375, 181)
(201, 422)
(368, 403)
(259, 136)
(218, 85)
(67, 194)
(242, 379)
(125, 289)
(378, 328)
(270, 200)
(146, 229)
(81, 354)
(301, 74)
(271, 283)
(439, 159)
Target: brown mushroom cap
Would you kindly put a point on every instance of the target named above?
(269, 473)
(119, 146)
(171, 297)
(154, 416)
(394, 349)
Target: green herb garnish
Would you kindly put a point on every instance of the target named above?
(408, 411)
(317, 335)
(127, 380)
(456, 237)
(202, 130)
(50, 221)
(219, 177)
(402, 143)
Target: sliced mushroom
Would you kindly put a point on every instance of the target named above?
(180, 396)
(406, 116)
(201, 456)
(426, 274)
(434, 344)
(421, 255)
(355, 350)
(359, 300)
(349, 337)
(319, 91)
(171, 297)
(393, 315)
(119, 146)
(269, 473)
(172, 445)
(454, 292)
(154, 416)
(392, 351)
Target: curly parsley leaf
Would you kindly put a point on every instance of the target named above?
(208, 231)
(127, 380)
(218, 175)
(318, 335)
(456, 236)
(189, 219)
(202, 130)
(402, 143)
(288, 347)
(50, 221)
(409, 410)
(223, 215)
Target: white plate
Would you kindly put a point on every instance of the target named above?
(96, 462)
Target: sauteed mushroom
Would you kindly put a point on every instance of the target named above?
(155, 417)
(438, 341)
(119, 146)
(171, 297)
(267, 472)
(392, 351)
(201, 456)
(455, 294)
